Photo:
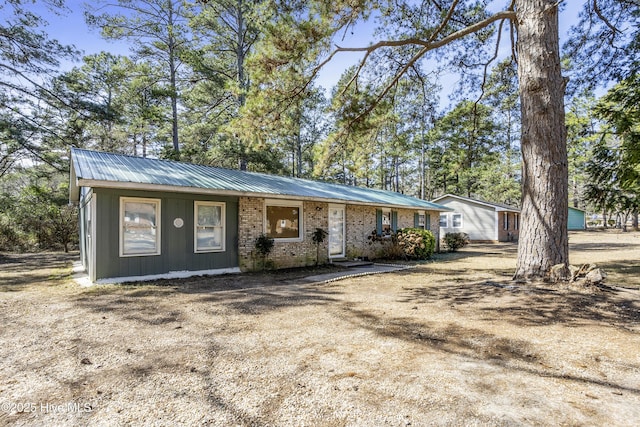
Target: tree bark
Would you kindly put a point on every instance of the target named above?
(173, 71)
(543, 240)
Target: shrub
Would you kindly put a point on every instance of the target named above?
(391, 249)
(263, 246)
(416, 243)
(455, 241)
(318, 237)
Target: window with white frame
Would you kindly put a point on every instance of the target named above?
(516, 220)
(456, 220)
(444, 220)
(209, 230)
(283, 220)
(139, 226)
(505, 220)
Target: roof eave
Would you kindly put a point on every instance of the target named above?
(478, 202)
(77, 183)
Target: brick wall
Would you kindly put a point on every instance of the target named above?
(283, 254)
(360, 223)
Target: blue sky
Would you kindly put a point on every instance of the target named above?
(70, 28)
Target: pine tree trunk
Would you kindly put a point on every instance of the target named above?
(543, 240)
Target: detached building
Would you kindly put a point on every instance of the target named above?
(482, 221)
(576, 219)
(142, 219)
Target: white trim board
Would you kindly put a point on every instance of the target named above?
(170, 275)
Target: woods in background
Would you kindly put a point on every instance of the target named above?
(233, 83)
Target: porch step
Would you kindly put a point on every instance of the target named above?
(343, 262)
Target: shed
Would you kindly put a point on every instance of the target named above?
(577, 219)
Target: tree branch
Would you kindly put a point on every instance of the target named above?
(603, 18)
(426, 47)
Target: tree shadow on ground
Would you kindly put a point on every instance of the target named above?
(143, 304)
(261, 300)
(627, 273)
(602, 247)
(21, 270)
(477, 250)
(476, 344)
(527, 305)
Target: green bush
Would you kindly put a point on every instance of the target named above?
(455, 241)
(416, 243)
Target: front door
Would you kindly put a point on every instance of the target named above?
(336, 231)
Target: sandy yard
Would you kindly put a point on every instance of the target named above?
(449, 342)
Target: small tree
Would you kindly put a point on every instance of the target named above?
(263, 246)
(318, 237)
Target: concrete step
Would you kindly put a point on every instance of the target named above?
(350, 263)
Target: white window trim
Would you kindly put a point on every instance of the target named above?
(505, 221)
(223, 222)
(293, 203)
(461, 220)
(446, 217)
(516, 221)
(158, 204)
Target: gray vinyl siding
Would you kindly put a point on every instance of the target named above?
(177, 249)
(478, 221)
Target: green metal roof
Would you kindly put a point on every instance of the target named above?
(107, 170)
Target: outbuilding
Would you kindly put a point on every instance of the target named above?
(482, 221)
(577, 219)
(142, 219)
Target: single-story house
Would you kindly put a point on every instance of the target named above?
(142, 219)
(577, 219)
(482, 221)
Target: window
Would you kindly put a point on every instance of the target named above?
(139, 229)
(456, 220)
(386, 221)
(283, 220)
(444, 223)
(209, 231)
(421, 220)
(505, 220)
(515, 221)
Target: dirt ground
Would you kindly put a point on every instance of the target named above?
(449, 342)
